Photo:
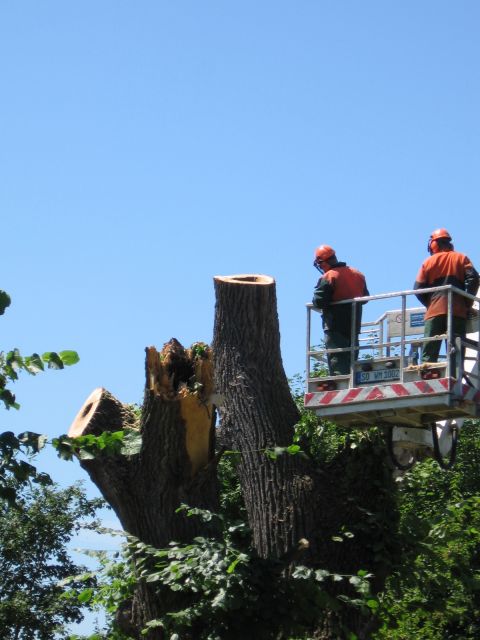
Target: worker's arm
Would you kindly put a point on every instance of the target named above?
(366, 292)
(323, 293)
(421, 283)
(471, 278)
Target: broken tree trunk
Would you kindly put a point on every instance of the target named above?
(177, 424)
(259, 414)
(173, 466)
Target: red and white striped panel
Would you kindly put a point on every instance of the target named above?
(387, 392)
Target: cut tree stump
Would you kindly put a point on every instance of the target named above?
(259, 414)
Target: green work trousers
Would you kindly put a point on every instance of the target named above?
(436, 326)
(338, 363)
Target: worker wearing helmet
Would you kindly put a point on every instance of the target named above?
(338, 282)
(444, 266)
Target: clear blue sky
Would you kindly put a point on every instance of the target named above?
(147, 146)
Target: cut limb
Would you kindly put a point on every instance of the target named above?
(102, 412)
(259, 414)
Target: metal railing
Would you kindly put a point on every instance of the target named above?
(372, 334)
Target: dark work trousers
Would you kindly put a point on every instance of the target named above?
(436, 326)
(338, 363)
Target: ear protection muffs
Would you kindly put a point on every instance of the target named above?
(438, 234)
(432, 246)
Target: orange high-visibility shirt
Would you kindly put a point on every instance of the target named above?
(443, 268)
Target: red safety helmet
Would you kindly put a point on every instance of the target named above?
(438, 234)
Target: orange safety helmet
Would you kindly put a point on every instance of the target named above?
(438, 234)
(323, 253)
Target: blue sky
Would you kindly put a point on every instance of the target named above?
(147, 146)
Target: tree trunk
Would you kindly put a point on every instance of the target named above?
(259, 414)
(292, 506)
(174, 465)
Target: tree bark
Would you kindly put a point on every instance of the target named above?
(259, 414)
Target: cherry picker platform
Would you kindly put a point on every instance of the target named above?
(422, 405)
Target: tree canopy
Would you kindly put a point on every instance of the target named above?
(35, 559)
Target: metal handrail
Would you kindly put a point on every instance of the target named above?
(404, 341)
(408, 292)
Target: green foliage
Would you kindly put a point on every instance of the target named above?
(231, 500)
(199, 350)
(215, 588)
(423, 530)
(4, 302)
(433, 591)
(13, 468)
(416, 540)
(323, 440)
(274, 453)
(34, 559)
(127, 442)
(12, 362)
(114, 580)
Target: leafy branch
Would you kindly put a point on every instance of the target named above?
(12, 362)
(127, 442)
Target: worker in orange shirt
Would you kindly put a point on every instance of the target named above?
(444, 266)
(338, 282)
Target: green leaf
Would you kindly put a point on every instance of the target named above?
(23, 470)
(85, 595)
(8, 494)
(132, 443)
(9, 439)
(219, 598)
(321, 574)
(293, 449)
(33, 441)
(83, 454)
(270, 453)
(34, 364)
(4, 301)
(43, 479)
(153, 577)
(152, 624)
(63, 447)
(302, 572)
(69, 357)
(355, 580)
(53, 360)
(231, 567)
(8, 399)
